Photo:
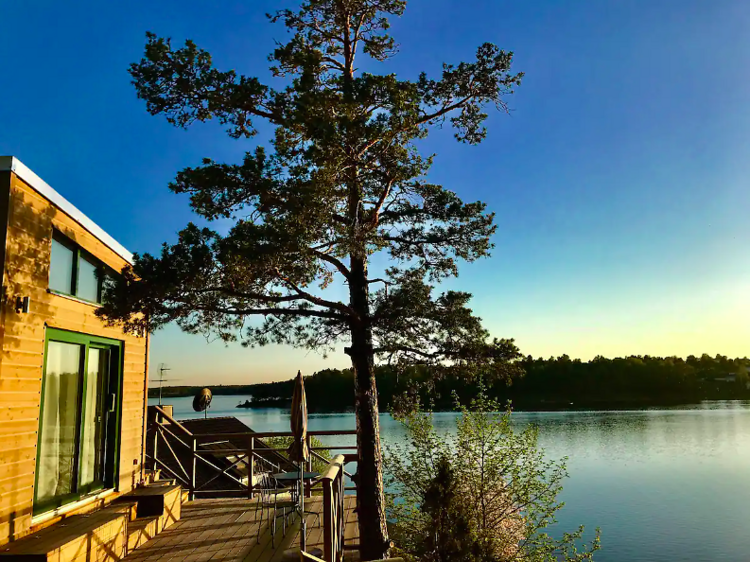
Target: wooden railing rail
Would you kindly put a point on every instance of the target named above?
(170, 419)
(332, 481)
(156, 426)
(178, 452)
(280, 450)
(263, 434)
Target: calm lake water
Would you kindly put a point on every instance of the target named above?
(663, 485)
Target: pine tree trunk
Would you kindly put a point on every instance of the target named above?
(373, 533)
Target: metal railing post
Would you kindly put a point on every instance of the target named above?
(251, 468)
(156, 440)
(194, 459)
(308, 491)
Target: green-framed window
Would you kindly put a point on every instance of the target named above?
(75, 272)
(79, 419)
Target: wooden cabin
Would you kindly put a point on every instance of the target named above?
(72, 391)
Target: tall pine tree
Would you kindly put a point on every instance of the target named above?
(342, 181)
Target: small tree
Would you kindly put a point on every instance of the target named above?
(450, 536)
(497, 491)
(343, 181)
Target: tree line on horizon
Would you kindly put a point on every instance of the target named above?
(554, 382)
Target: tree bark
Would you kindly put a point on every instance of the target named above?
(373, 533)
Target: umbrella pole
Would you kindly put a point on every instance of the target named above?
(303, 525)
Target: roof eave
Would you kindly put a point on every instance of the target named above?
(13, 164)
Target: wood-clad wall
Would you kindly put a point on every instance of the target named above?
(31, 218)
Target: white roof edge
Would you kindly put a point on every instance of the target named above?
(13, 164)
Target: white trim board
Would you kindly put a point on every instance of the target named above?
(13, 164)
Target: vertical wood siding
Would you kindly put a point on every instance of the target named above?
(31, 218)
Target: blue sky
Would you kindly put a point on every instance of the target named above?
(620, 181)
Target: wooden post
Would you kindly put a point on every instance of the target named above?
(192, 471)
(328, 521)
(333, 511)
(251, 468)
(340, 527)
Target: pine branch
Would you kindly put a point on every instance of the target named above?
(333, 261)
(301, 312)
(313, 299)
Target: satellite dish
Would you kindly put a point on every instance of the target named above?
(202, 401)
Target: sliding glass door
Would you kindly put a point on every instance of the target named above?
(92, 447)
(79, 418)
(59, 424)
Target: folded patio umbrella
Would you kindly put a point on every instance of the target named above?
(298, 450)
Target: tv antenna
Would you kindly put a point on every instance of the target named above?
(163, 368)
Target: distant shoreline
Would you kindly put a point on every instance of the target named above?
(519, 404)
(554, 384)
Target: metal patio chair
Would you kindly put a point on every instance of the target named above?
(274, 502)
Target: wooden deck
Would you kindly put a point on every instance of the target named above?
(226, 529)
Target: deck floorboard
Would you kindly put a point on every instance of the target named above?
(223, 530)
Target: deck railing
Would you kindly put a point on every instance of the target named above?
(178, 453)
(332, 482)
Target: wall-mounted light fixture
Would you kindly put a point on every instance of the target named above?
(22, 305)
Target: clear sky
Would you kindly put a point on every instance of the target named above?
(621, 182)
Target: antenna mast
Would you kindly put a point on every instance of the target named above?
(162, 369)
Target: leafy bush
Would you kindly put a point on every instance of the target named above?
(485, 493)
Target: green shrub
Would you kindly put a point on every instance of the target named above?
(482, 494)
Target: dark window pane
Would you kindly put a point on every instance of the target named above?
(61, 268)
(88, 280)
